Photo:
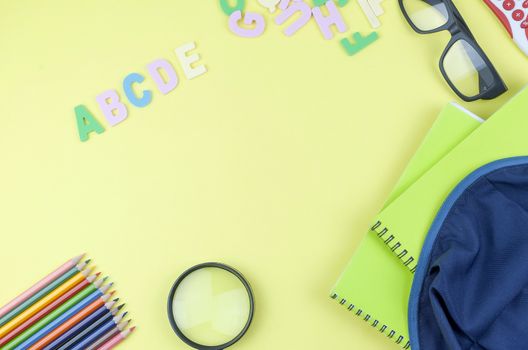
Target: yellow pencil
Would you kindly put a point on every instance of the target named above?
(46, 300)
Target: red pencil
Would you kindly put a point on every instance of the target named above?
(49, 308)
(72, 321)
(40, 285)
(112, 343)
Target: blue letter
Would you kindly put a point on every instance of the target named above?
(127, 86)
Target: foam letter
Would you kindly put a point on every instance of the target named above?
(369, 13)
(249, 19)
(172, 78)
(86, 123)
(325, 22)
(376, 7)
(290, 10)
(228, 9)
(271, 5)
(360, 42)
(109, 102)
(341, 3)
(187, 61)
(129, 92)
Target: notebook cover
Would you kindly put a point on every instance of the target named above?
(403, 224)
(364, 286)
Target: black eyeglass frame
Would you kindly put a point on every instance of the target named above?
(172, 293)
(459, 30)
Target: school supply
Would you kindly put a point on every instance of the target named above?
(372, 10)
(98, 332)
(117, 339)
(61, 270)
(94, 300)
(503, 135)
(358, 43)
(105, 338)
(210, 306)
(109, 335)
(43, 292)
(513, 14)
(84, 327)
(51, 307)
(470, 287)
(70, 306)
(373, 271)
(61, 310)
(401, 227)
(464, 65)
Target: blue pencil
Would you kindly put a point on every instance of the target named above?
(89, 328)
(62, 318)
(96, 334)
(103, 313)
(42, 293)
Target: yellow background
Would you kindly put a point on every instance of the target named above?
(274, 161)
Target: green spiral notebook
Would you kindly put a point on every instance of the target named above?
(403, 225)
(375, 286)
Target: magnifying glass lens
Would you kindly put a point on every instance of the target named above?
(211, 306)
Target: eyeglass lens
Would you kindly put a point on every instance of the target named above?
(466, 69)
(426, 15)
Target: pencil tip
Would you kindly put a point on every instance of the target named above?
(98, 274)
(132, 329)
(121, 306)
(125, 313)
(88, 261)
(77, 258)
(116, 300)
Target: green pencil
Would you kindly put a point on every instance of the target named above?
(43, 292)
(53, 315)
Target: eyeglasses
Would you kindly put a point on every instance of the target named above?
(464, 65)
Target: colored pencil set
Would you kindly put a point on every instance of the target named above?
(69, 309)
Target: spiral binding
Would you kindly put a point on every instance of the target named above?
(397, 248)
(375, 323)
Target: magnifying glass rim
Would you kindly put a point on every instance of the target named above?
(170, 310)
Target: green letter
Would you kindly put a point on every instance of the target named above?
(86, 123)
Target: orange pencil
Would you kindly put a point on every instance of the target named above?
(45, 301)
(48, 309)
(57, 332)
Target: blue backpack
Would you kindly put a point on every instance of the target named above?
(470, 290)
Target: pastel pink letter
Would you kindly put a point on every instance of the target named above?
(325, 22)
(164, 86)
(290, 10)
(250, 18)
(114, 111)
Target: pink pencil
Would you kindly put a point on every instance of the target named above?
(112, 343)
(39, 285)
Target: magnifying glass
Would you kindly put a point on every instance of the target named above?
(210, 306)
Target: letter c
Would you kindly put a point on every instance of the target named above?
(129, 92)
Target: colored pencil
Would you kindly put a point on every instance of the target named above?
(78, 298)
(75, 333)
(67, 324)
(40, 285)
(46, 300)
(95, 298)
(39, 295)
(104, 339)
(48, 309)
(81, 335)
(112, 343)
(97, 333)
